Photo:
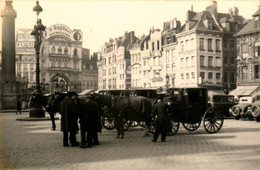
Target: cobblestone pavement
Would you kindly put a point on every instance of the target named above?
(33, 145)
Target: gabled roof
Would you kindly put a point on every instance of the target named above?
(248, 28)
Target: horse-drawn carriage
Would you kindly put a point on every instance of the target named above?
(189, 106)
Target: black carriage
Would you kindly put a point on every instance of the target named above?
(189, 106)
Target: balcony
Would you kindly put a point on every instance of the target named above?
(146, 67)
(211, 68)
(156, 53)
(58, 55)
(158, 67)
(157, 79)
(59, 68)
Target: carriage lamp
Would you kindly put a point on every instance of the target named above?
(38, 33)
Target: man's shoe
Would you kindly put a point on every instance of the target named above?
(75, 144)
(96, 143)
(153, 140)
(66, 145)
(83, 146)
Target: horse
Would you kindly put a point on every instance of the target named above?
(136, 108)
(49, 102)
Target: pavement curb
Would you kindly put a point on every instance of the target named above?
(35, 118)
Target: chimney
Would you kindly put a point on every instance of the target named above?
(213, 8)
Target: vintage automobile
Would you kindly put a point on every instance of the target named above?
(244, 108)
(222, 102)
(189, 106)
(256, 107)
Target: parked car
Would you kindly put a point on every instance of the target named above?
(244, 108)
(256, 107)
(222, 102)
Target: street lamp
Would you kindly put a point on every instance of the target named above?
(167, 83)
(37, 110)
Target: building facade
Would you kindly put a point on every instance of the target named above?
(60, 58)
(114, 63)
(89, 70)
(248, 53)
(206, 49)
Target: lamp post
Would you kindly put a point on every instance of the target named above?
(167, 83)
(37, 110)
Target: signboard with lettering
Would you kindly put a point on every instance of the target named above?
(63, 30)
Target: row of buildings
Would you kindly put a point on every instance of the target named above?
(200, 52)
(210, 49)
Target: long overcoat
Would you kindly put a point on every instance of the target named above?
(89, 117)
(162, 122)
(69, 115)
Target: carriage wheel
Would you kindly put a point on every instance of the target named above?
(175, 127)
(191, 126)
(142, 124)
(134, 123)
(108, 123)
(127, 124)
(213, 120)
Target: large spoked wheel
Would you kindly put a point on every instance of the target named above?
(175, 127)
(142, 124)
(108, 123)
(191, 126)
(127, 124)
(213, 120)
(133, 123)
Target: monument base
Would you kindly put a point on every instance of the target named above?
(37, 112)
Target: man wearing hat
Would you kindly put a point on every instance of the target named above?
(69, 118)
(162, 123)
(89, 122)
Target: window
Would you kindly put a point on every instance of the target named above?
(75, 52)
(202, 58)
(53, 50)
(218, 76)
(225, 60)
(218, 62)
(202, 44)
(182, 63)
(202, 75)
(182, 76)
(245, 50)
(225, 44)
(66, 50)
(193, 75)
(193, 61)
(210, 45)
(232, 77)
(182, 46)
(232, 44)
(187, 62)
(187, 76)
(225, 77)
(59, 50)
(210, 61)
(147, 45)
(158, 45)
(217, 45)
(192, 45)
(258, 51)
(152, 46)
(210, 75)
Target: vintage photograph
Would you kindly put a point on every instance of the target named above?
(126, 85)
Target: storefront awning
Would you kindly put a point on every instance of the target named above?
(243, 90)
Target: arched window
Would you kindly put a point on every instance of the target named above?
(53, 50)
(66, 50)
(59, 50)
(75, 52)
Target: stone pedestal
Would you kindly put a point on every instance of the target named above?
(9, 94)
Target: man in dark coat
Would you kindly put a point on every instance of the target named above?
(162, 122)
(69, 118)
(89, 122)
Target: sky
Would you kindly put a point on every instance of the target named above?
(100, 20)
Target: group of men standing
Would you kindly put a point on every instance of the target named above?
(87, 112)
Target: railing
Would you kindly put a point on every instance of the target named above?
(210, 68)
(157, 79)
(58, 55)
(59, 68)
